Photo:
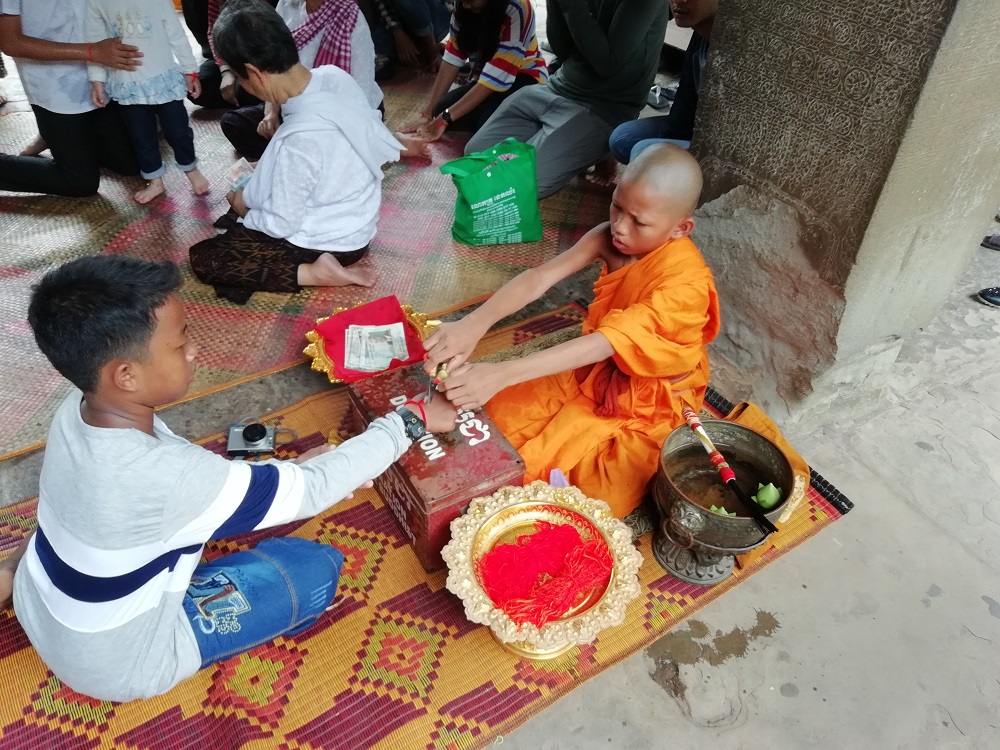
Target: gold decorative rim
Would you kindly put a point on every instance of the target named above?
(316, 350)
(553, 638)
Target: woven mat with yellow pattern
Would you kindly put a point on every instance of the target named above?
(396, 666)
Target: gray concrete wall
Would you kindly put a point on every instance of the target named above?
(846, 145)
(943, 188)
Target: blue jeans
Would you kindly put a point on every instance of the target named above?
(424, 17)
(140, 120)
(243, 600)
(630, 138)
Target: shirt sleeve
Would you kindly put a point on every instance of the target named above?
(663, 335)
(10, 7)
(499, 73)
(557, 31)
(256, 496)
(679, 122)
(453, 55)
(179, 43)
(296, 175)
(94, 30)
(609, 50)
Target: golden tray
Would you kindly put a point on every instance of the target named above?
(508, 514)
(316, 350)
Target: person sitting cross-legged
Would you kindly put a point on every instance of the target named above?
(309, 211)
(599, 407)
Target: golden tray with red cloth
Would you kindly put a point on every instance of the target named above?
(326, 340)
(508, 514)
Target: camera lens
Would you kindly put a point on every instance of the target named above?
(254, 434)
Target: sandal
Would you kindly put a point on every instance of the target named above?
(661, 98)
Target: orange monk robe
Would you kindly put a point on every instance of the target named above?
(604, 424)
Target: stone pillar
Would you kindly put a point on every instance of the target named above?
(851, 151)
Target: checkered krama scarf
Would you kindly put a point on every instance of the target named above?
(335, 20)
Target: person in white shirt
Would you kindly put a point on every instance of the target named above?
(152, 97)
(46, 39)
(309, 211)
(326, 32)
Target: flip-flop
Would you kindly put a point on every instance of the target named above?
(991, 241)
(661, 98)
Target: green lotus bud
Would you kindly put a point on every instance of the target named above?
(767, 496)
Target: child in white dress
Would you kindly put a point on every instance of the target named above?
(155, 90)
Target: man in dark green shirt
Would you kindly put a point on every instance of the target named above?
(610, 51)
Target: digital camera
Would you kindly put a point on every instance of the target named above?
(250, 439)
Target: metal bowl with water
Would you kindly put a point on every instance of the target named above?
(694, 543)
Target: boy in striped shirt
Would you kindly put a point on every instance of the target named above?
(110, 589)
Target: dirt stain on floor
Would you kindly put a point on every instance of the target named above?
(689, 646)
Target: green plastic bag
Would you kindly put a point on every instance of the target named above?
(497, 195)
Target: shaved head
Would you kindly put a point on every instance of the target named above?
(654, 200)
(670, 174)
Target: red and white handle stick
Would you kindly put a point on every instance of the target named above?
(726, 471)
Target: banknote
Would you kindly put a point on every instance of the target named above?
(239, 174)
(372, 348)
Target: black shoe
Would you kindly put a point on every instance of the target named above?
(990, 296)
(991, 241)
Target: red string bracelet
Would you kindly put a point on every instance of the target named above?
(90, 53)
(423, 414)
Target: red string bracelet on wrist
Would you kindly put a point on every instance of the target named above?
(423, 414)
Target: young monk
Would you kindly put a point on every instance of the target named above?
(599, 407)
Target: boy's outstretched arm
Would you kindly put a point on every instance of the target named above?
(474, 384)
(453, 342)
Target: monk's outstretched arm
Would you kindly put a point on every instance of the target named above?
(472, 385)
(453, 342)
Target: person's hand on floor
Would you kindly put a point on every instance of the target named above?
(415, 123)
(452, 343)
(406, 50)
(227, 88)
(413, 148)
(111, 53)
(473, 384)
(431, 131)
(97, 95)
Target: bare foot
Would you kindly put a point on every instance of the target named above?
(36, 147)
(199, 184)
(327, 271)
(7, 568)
(154, 188)
(604, 173)
(6, 586)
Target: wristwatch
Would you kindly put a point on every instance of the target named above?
(412, 424)
(446, 117)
